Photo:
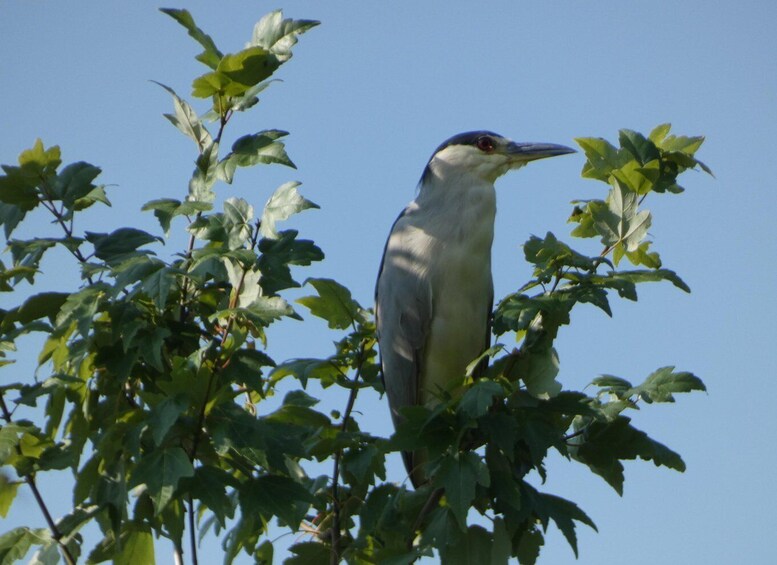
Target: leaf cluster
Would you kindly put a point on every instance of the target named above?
(152, 369)
(162, 400)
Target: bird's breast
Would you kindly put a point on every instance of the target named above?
(462, 291)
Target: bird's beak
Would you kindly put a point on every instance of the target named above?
(520, 153)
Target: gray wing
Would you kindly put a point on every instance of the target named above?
(403, 309)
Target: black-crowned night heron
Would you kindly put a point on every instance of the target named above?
(435, 292)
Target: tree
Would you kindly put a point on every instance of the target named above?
(156, 368)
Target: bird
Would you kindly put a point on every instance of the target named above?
(434, 293)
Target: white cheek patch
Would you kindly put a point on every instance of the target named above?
(469, 158)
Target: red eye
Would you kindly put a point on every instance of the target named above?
(485, 144)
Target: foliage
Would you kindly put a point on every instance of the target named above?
(155, 368)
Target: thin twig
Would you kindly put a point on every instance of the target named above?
(192, 531)
(335, 553)
(48, 203)
(29, 478)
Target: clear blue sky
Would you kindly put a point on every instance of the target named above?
(368, 96)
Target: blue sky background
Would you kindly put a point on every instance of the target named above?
(368, 96)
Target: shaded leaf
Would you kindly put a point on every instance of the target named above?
(333, 303)
(254, 149)
(459, 474)
(160, 471)
(563, 512)
(273, 495)
(479, 397)
(112, 246)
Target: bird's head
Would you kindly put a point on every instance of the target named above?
(485, 155)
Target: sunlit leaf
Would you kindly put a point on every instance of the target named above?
(211, 55)
(284, 203)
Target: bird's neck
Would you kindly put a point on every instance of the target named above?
(460, 208)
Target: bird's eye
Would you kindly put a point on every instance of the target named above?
(485, 144)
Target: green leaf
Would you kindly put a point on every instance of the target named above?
(300, 398)
(80, 307)
(551, 255)
(606, 443)
(285, 202)
(360, 466)
(563, 512)
(620, 222)
(254, 149)
(278, 254)
(113, 246)
(39, 160)
(264, 553)
(237, 221)
(333, 303)
(165, 209)
(279, 35)
(308, 553)
(19, 189)
(583, 218)
(15, 544)
(378, 509)
(160, 471)
(187, 121)
(137, 547)
(479, 397)
(74, 182)
(639, 178)
(204, 175)
(48, 554)
(10, 217)
(459, 474)
(249, 66)
(7, 494)
(44, 304)
(613, 385)
(602, 157)
(273, 495)
(211, 55)
(208, 485)
(643, 149)
(529, 543)
(652, 275)
(164, 414)
(643, 256)
(537, 367)
(261, 312)
(659, 132)
(473, 547)
(660, 385)
(157, 285)
(306, 369)
(245, 367)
